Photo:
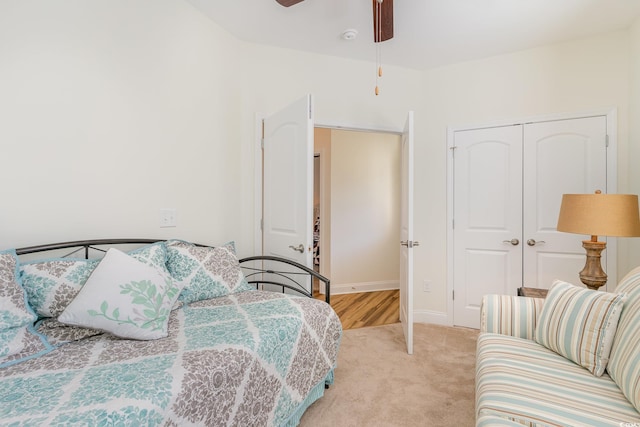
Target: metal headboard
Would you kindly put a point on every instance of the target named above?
(82, 244)
(262, 271)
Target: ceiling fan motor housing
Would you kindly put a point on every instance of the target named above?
(382, 16)
(287, 3)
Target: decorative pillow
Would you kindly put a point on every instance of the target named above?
(231, 246)
(204, 272)
(624, 364)
(18, 338)
(51, 284)
(580, 324)
(125, 297)
(154, 255)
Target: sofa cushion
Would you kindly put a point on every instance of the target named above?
(205, 272)
(18, 338)
(624, 364)
(510, 315)
(51, 284)
(525, 382)
(580, 324)
(125, 297)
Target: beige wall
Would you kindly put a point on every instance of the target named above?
(111, 110)
(365, 217)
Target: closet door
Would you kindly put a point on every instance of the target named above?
(487, 217)
(563, 156)
(508, 184)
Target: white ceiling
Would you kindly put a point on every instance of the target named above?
(427, 33)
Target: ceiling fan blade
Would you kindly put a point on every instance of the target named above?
(287, 3)
(384, 19)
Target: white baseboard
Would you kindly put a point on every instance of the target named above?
(429, 316)
(352, 288)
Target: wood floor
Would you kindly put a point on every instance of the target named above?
(366, 308)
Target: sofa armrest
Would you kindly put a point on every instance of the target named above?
(510, 315)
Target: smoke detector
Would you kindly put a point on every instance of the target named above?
(349, 34)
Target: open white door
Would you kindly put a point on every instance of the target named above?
(406, 234)
(288, 183)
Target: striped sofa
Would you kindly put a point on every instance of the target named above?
(521, 382)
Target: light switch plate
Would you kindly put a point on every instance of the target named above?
(167, 217)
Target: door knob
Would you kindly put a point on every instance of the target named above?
(299, 248)
(532, 242)
(514, 242)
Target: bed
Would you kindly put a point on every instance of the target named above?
(243, 357)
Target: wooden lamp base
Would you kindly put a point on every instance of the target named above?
(592, 274)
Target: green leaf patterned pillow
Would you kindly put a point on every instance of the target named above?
(125, 297)
(18, 338)
(205, 272)
(51, 284)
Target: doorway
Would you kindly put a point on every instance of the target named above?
(357, 218)
(359, 205)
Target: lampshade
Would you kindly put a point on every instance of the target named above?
(600, 215)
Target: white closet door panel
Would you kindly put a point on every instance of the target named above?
(564, 156)
(487, 217)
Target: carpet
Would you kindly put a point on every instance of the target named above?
(378, 384)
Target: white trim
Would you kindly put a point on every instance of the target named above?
(257, 237)
(429, 316)
(358, 128)
(325, 254)
(612, 187)
(611, 111)
(449, 224)
(612, 152)
(352, 288)
(611, 115)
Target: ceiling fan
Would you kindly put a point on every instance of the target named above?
(382, 18)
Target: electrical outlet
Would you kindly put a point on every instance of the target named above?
(426, 286)
(167, 217)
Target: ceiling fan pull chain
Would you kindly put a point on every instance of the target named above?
(377, 40)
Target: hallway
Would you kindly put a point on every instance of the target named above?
(366, 308)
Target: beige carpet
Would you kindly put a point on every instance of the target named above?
(378, 384)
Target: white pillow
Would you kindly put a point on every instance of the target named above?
(125, 297)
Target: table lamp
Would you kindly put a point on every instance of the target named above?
(614, 215)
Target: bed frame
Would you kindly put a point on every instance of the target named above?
(263, 271)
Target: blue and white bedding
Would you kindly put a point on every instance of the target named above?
(252, 358)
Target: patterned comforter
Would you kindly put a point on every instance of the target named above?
(248, 359)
